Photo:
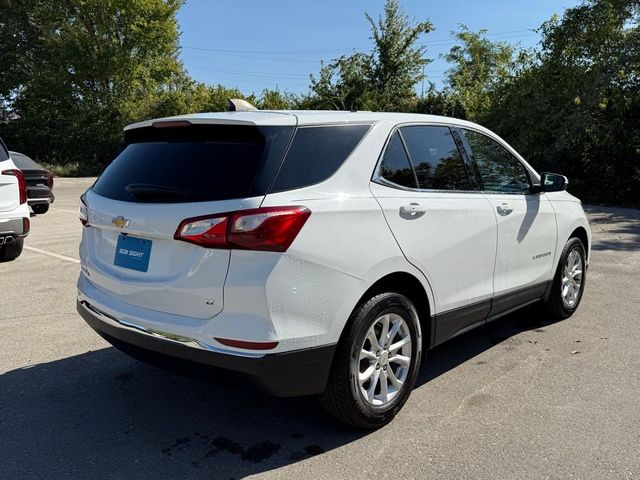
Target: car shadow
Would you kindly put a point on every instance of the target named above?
(614, 229)
(461, 349)
(102, 413)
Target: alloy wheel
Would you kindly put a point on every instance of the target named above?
(572, 279)
(384, 360)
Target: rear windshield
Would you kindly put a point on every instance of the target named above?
(23, 162)
(194, 163)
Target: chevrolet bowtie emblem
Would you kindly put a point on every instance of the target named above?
(120, 222)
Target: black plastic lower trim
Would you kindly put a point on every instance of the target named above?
(288, 374)
(460, 320)
(512, 300)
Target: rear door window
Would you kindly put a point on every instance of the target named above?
(395, 166)
(194, 163)
(316, 153)
(435, 158)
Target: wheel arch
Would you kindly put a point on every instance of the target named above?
(581, 234)
(410, 286)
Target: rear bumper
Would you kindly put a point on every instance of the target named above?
(288, 374)
(39, 194)
(12, 229)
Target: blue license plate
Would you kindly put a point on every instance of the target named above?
(133, 253)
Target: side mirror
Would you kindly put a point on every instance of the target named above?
(551, 182)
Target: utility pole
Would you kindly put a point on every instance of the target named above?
(422, 94)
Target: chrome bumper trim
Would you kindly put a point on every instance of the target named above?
(170, 337)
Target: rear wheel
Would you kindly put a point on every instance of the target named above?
(12, 250)
(40, 208)
(376, 363)
(569, 281)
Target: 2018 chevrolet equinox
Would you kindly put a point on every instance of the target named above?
(320, 252)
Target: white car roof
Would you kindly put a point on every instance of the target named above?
(303, 117)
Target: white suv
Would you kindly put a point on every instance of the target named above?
(320, 252)
(14, 211)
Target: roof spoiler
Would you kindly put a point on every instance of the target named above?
(239, 105)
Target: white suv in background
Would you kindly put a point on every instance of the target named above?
(14, 211)
(320, 252)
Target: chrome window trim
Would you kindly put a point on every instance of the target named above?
(380, 180)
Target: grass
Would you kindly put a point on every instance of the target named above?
(73, 170)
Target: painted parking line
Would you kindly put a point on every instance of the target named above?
(64, 210)
(51, 254)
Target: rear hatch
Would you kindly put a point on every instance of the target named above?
(34, 174)
(36, 178)
(161, 177)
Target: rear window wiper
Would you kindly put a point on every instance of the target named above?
(155, 192)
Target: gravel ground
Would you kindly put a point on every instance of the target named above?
(522, 398)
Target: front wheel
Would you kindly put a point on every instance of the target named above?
(569, 281)
(376, 363)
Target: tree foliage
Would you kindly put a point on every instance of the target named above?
(576, 108)
(478, 66)
(384, 79)
(76, 71)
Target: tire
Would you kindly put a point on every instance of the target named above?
(40, 208)
(12, 250)
(345, 398)
(557, 304)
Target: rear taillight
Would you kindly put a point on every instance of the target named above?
(82, 212)
(22, 185)
(270, 229)
(50, 180)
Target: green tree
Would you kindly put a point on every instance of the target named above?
(384, 79)
(478, 66)
(276, 100)
(575, 109)
(441, 102)
(79, 70)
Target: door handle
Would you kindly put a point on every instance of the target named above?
(504, 209)
(411, 209)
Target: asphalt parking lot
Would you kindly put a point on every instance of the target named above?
(521, 398)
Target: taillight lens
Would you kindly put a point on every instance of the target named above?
(270, 229)
(208, 232)
(50, 180)
(83, 214)
(22, 184)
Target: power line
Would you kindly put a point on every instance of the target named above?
(511, 34)
(252, 73)
(300, 80)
